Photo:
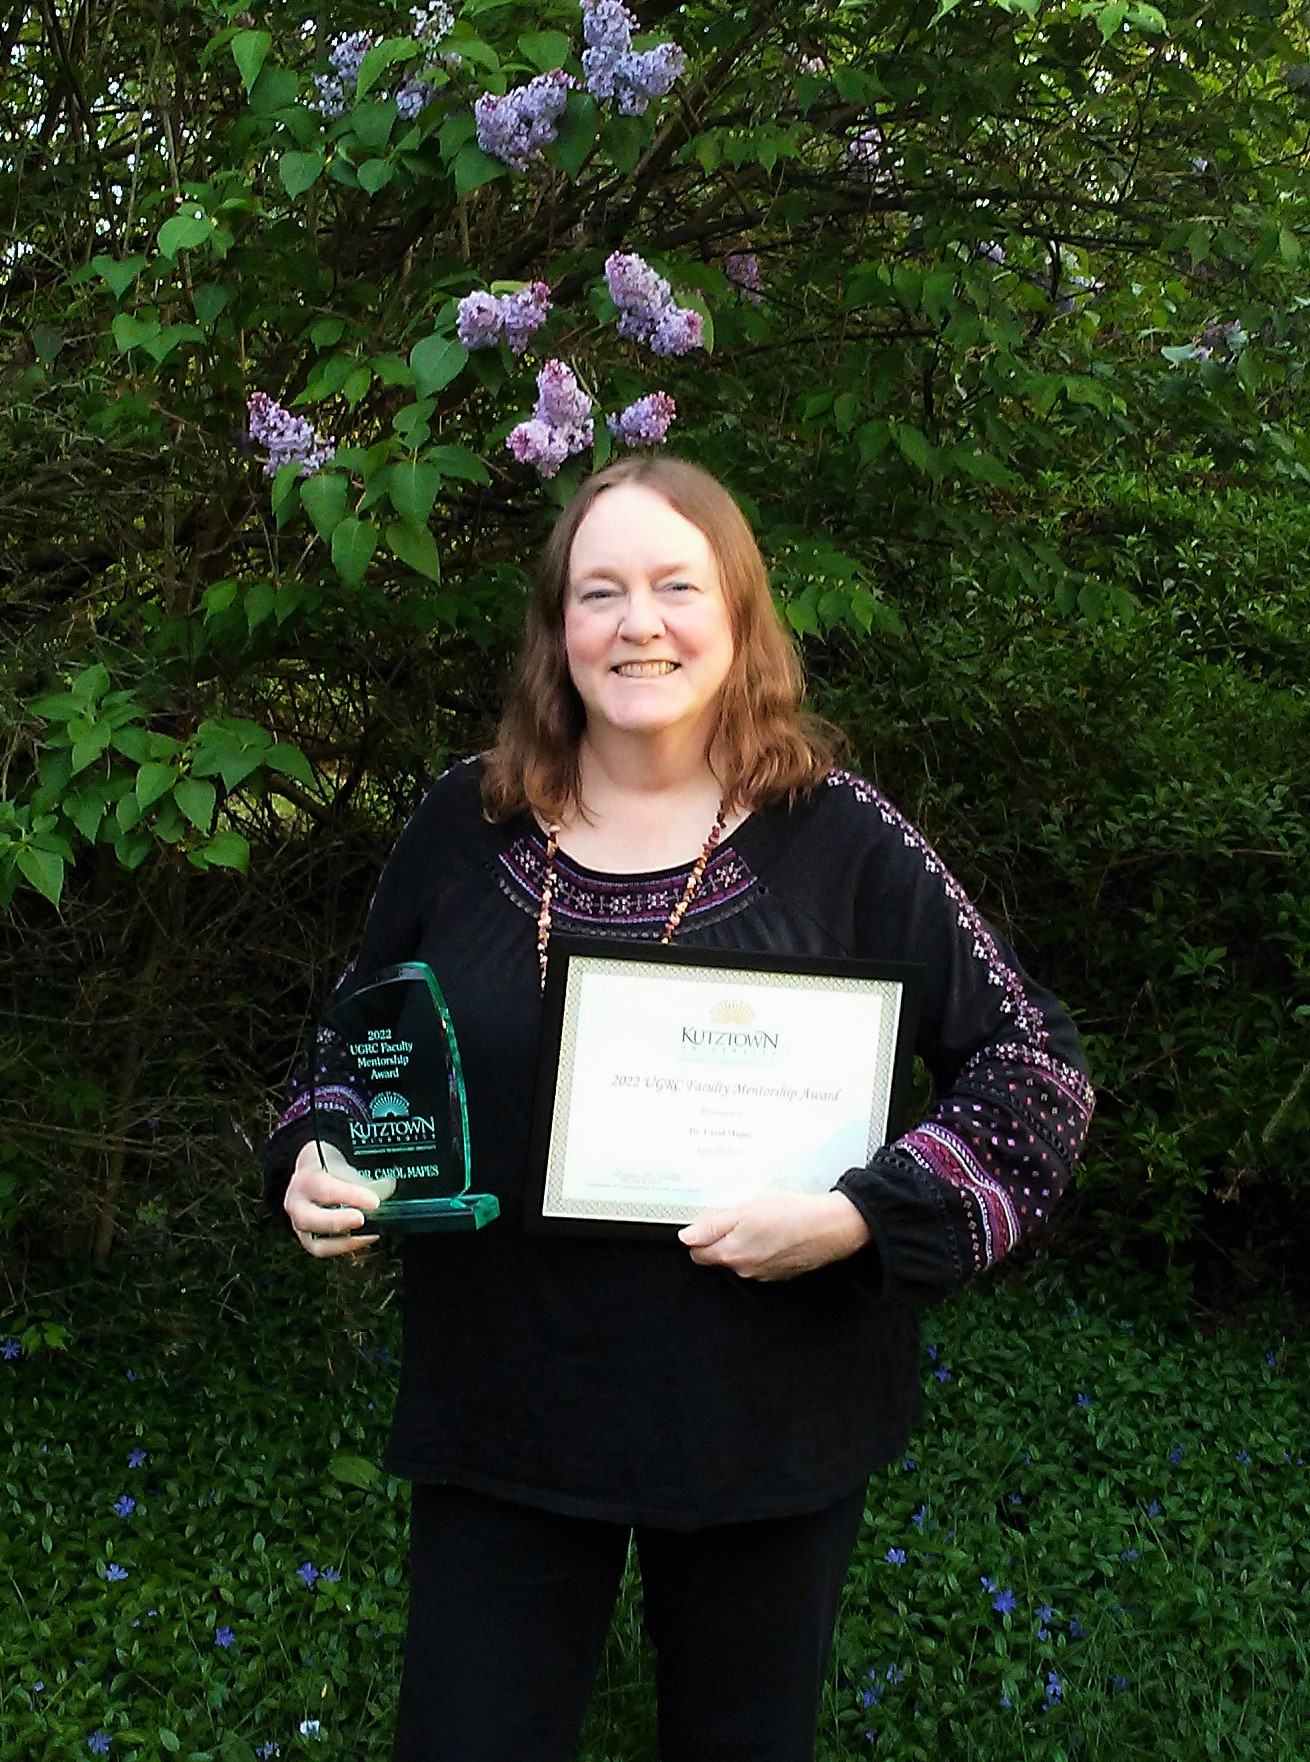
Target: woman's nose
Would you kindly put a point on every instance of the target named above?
(641, 616)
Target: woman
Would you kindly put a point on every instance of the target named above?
(723, 1401)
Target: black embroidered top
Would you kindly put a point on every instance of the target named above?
(617, 1379)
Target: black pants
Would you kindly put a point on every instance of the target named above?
(510, 1607)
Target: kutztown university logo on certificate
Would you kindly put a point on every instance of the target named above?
(729, 1034)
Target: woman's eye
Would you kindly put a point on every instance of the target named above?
(679, 587)
(598, 593)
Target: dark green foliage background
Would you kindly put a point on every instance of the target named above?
(1045, 559)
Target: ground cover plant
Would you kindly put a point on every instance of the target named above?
(1096, 1546)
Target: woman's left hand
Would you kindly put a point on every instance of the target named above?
(777, 1235)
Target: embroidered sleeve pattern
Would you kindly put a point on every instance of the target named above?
(954, 1195)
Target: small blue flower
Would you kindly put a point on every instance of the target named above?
(869, 1697)
(1054, 1690)
(1176, 1454)
(1271, 1359)
(224, 1637)
(895, 1674)
(137, 1458)
(267, 1751)
(115, 1574)
(942, 1374)
(10, 1348)
(1155, 1509)
(1129, 1554)
(932, 1352)
(988, 1584)
(308, 1572)
(331, 1574)
(908, 1464)
(1044, 1612)
(917, 1517)
(1241, 1456)
(37, 1686)
(98, 1743)
(1119, 1684)
(1084, 1401)
(132, 1377)
(1015, 1498)
(1005, 1699)
(895, 1557)
(1004, 1603)
(125, 1506)
(1076, 1629)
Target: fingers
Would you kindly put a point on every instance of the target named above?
(708, 1228)
(329, 1247)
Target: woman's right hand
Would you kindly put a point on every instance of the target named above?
(325, 1199)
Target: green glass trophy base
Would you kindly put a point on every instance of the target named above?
(462, 1211)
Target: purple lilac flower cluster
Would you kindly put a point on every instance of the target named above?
(647, 309)
(345, 58)
(863, 156)
(742, 269)
(645, 423)
(289, 439)
(484, 318)
(560, 424)
(519, 126)
(413, 97)
(614, 69)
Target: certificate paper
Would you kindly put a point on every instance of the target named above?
(673, 1080)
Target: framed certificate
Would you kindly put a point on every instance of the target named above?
(673, 1079)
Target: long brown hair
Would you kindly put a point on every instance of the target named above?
(764, 747)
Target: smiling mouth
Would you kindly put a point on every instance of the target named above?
(645, 669)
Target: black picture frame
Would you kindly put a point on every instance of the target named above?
(564, 949)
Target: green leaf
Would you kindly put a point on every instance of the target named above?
(92, 683)
(412, 486)
(544, 50)
(435, 362)
(1111, 18)
(374, 174)
(622, 138)
(913, 443)
(86, 810)
(209, 299)
(353, 544)
(354, 1471)
(577, 133)
(162, 346)
(462, 462)
(299, 171)
(118, 277)
(373, 123)
(131, 332)
(291, 762)
(326, 333)
(323, 497)
(379, 58)
(1289, 248)
(226, 850)
(196, 797)
(417, 548)
(250, 51)
(184, 232)
(44, 870)
(473, 168)
(259, 604)
(152, 781)
(170, 1740)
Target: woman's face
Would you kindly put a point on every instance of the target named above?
(646, 625)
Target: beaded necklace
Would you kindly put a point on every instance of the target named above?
(676, 916)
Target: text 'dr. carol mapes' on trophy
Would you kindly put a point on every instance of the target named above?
(395, 1103)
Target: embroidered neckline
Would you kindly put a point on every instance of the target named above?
(587, 898)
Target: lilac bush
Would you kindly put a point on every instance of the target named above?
(645, 423)
(483, 318)
(614, 69)
(288, 438)
(414, 97)
(560, 423)
(647, 310)
(742, 269)
(518, 127)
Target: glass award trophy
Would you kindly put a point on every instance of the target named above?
(396, 1090)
